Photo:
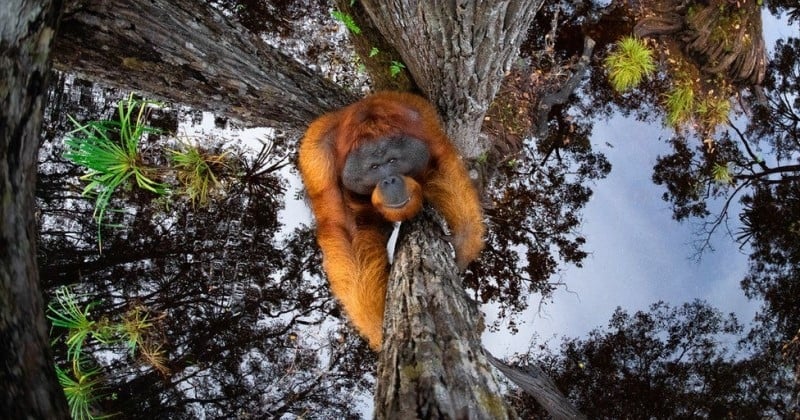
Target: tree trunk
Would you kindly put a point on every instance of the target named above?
(187, 52)
(432, 364)
(458, 53)
(29, 386)
(722, 38)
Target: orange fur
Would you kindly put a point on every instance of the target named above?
(353, 233)
(413, 189)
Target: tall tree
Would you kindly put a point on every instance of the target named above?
(468, 48)
(30, 388)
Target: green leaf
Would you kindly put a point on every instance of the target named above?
(347, 20)
(629, 63)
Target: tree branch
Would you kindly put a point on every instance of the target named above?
(746, 144)
(563, 94)
(721, 217)
(769, 171)
(541, 387)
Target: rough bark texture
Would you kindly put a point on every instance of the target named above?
(458, 52)
(723, 37)
(433, 365)
(27, 377)
(535, 382)
(187, 52)
(377, 66)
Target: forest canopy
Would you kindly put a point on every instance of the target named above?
(179, 282)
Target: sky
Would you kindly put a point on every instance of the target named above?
(638, 253)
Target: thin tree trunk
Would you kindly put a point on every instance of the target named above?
(187, 52)
(30, 389)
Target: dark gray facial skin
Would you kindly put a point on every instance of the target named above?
(385, 161)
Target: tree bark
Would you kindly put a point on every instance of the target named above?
(432, 364)
(30, 388)
(535, 382)
(458, 53)
(187, 52)
(369, 39)
(722, 38)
